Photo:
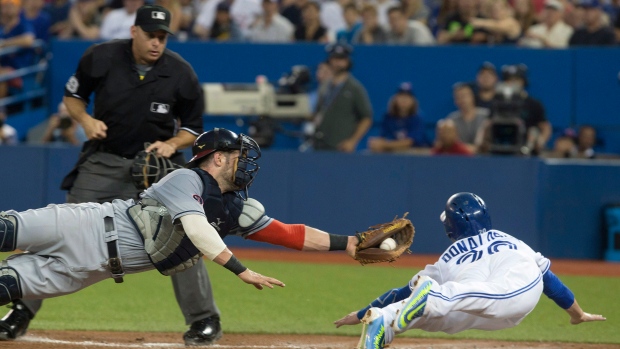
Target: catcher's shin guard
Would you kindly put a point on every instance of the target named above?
(8, 232)
(10, 288)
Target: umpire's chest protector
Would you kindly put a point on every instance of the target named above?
(166, 243)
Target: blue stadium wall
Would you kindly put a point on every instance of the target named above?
(577, 86)
(554, 205)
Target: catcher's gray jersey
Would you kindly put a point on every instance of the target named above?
(180, 192)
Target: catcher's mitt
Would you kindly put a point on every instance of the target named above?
(368, 251)
(149, 168)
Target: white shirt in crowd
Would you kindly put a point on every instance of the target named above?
(279, 30)
(382, 11)
(242, 12)
(332, 16)
(557, 36)
(117, 25)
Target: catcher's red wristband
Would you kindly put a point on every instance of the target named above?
(278, 233)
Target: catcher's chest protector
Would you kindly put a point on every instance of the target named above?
(168, 247)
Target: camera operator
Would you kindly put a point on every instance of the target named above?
(61, 128)
(513, 107)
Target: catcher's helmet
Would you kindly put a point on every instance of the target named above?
(465, 215)
(221, 139)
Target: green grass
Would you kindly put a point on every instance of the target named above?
(314, 297)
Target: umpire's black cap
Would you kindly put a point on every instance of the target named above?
(153, 18)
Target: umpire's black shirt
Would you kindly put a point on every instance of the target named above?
(137, 110)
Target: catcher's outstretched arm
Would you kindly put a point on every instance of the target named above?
(304, 238)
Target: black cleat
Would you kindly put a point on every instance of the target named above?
(203, 332)
(15, 323)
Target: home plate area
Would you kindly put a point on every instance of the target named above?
(39, 339)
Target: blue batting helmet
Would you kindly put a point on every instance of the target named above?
(465, 215)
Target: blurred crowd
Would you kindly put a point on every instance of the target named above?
(484, 120)
(530, 23)
(494, 114)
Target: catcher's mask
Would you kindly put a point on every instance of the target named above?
(465, 215)
(149, 168)
(221, 139)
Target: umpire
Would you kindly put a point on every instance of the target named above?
(144, 93)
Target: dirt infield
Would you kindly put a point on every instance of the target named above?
(38, 339)
(131, 340)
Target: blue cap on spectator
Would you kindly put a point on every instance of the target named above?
(589, 3)
(488, 66)
(405, 87)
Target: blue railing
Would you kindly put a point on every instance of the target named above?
(33, 76)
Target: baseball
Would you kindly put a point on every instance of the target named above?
(388, 244)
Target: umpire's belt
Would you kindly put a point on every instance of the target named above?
(116, 267)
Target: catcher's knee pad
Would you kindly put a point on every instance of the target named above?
(10, 288)
(8, 232)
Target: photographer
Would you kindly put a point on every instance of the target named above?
(516, 117)
(61, 128)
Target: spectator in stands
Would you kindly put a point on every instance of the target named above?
(244, 13)
(188, 12)
(416, 10)
(292, 11)
(59, 15)
(402, 127)
(485, 85)
(529, 111)
(469, 120)
(8, 134)
(402, 33)
(525, 13)
(223, 28)
(586, 142)
(343, 114)
(571, 144)
(117, 23)
(14, 32)
(553, 32)
(502, 27)
(38, 19)
(457, 27)
(61, 128)
(85, 19)
(371, 32)
(383, 7)
(175, 15)
(447, 140)
(354, 24)
(444, 13)
(311, 28)
(332, 15)
(594, 32)
(271, 26)
(573, 14)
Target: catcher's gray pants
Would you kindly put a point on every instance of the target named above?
(67, 248)
(104, 177)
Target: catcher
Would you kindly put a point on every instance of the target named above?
(178, 220)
